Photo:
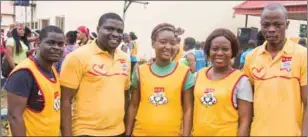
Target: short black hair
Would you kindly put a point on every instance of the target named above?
(38, 31)
(190, 42)
(109, 15)
(302, 42)
(225, 33)
(276, 6)
(51, 28)
(133, 36)
(71, 37)
(28, 31)
(252, 43)
(198, 45)
(94, 34)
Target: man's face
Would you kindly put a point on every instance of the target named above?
(273, 26)
(110, 33)
(51, 47)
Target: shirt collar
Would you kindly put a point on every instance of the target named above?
(287, 48)
(98, 50)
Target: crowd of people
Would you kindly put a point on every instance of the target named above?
(88, 84)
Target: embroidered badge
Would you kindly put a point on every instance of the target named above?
(124, 67)
(158, 98)
(56, 104)
(286, 63)
(208, 98)
(39, 93)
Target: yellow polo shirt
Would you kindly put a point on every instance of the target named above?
(277, 99)
(98, 107)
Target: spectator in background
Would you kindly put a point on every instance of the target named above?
(201, 59)
(302, 42)
(37, 34)
(260, 38)
(71, 39)
(29, 35)
(83, 35)
(17, 46)
(2, 45)
(11, 27)
(250, 46)
(31, 38)
(93, 36)
(179, 51)
(189, 58)
(130, 42)
(133, 50)
(124, 44)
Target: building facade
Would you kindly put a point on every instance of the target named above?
(7, 14)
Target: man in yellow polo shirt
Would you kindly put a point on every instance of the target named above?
(97, 77)
(278, 72)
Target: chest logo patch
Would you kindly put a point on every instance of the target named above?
(158, 98)
(56, 104)
(208, 98)
(286, 63)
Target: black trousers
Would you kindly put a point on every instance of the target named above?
(132, 67)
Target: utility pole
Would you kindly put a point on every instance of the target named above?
(26, 14)
(127, 3)
(14, 12)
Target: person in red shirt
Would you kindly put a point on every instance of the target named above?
(2, 45)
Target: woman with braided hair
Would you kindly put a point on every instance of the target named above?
(163, 89)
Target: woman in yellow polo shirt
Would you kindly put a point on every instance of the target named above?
(162, 92)
(222, 95)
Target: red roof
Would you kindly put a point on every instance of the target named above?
(296, 9)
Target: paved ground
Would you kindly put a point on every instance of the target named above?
(4, 124)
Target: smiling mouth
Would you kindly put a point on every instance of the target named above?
(113, 41)
(219, 60)
(58, 55)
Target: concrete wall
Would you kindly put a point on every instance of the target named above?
(6, 21)
(198, 18)
(6, 14)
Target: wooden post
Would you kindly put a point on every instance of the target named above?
(246, 21)
(32, 24)
(26, 14)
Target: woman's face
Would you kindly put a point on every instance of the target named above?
(165, 45)
(80, 35)
(20, 30)
(220, 52)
